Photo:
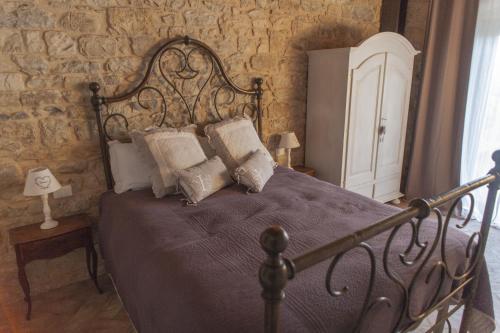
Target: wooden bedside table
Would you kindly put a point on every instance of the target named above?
(32, 243)
(306, 170)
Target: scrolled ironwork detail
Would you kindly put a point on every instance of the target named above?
(468, 252)
(232, 97)
(368, 305)
(108, 118)
(430, 265)
(170, 86)
(186, 72)
(163, 103)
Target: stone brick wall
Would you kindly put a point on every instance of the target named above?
(51, 49)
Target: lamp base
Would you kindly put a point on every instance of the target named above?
(288, 158)
(49, 224)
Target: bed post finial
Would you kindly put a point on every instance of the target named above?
(273, 274)
(187, 40)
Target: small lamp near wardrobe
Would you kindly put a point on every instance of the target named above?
(40, 181)
(288, 141)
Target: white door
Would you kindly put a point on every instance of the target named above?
(362, 137)
(392, 128)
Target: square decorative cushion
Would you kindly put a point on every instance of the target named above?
(130, 171)
(255, 172)
(139, 141)
(235, 140)
(202, 180)
(174, 150)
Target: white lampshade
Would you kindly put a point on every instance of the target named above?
(289, 140)
(40, 181)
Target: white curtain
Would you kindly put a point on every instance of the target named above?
(482, 118)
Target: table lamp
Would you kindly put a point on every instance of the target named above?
(40, 181)
(289, 141)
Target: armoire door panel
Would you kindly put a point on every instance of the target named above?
(366, 83)
(365, 189)
(397, 85)
(387, 187)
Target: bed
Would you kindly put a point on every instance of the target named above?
(347, 263)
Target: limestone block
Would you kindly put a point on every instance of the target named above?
(54, 132)
(33, 98)
(9, 98)
(131, 20)
(289, 4)
(32, 17)
(45, 82)
(7, 19)
(176, 4)
(6, 64)
(34, 41)
(199, 18)
(97, 47)
(73, 66)
(81, 22)
(312, 5)
(12, 43)
(10, 174)
(122, 65)
(60, 45)
(32, 64)
(12, 81)
(18, 132)
(10, 114)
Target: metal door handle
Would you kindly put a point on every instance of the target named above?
(381, 130)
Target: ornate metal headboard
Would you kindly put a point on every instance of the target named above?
(175, 96)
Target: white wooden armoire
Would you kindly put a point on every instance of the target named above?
(357, 110)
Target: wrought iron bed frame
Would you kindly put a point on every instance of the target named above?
(184, 47)
(276, 270)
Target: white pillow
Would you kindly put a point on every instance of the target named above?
(203, 180)
(138, 139)
(174, 150)
(235, 140)
(255, 172)
(130, 171)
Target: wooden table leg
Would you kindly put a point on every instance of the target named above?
(23, 280)
(92, 262)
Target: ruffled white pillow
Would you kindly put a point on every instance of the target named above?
(255, 172)
(235, 140)
(138, 138)
(174, 150)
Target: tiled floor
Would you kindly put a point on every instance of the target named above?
(79, 308)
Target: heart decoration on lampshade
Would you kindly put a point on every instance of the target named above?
(43, 182)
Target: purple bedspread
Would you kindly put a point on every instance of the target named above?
(194, 269)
